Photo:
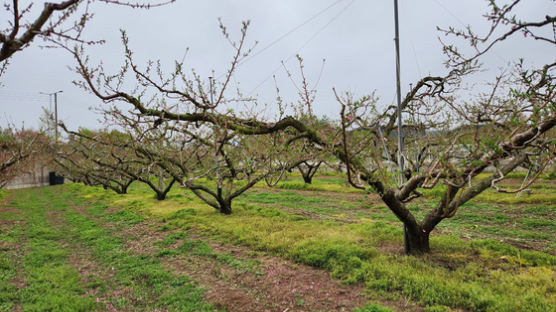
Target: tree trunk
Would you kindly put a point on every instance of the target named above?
(160, 195)
(307, 179)
(125, 186)
(225, 206)
(418, 242)
(119, 190)
(417, 236)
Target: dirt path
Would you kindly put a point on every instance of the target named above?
(273, 284)
(114, 261)
(268, 284)
(82, 260)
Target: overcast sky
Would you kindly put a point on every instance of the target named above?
(354, 36)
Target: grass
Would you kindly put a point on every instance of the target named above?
(373, 308)
(327, 182)
(53, 229)
(197, 247)
(522, 224)
(538, 193)
(353, 236)
(294, 200)
(50, 283)
(477, 275)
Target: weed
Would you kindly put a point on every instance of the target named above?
(438, 308)
(478, 275)
(371, 307)
(52, 284)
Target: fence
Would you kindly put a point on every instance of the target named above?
(40, 175)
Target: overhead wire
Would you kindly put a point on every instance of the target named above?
(291, 31)
(463, 24)
(286, 34)
(302, 46)
(416, 59)
(449, 12)
(403, 10)
(21, 98)
(21, 94)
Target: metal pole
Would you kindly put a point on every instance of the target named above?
(398, 93)
(399, 97)
(56, 115)
(55, 110)
(211, 97)
(215, 141)
(49, 121)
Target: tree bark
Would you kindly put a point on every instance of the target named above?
(161, 192)
(417, 236)
(160, 195)
(225, 206)
(418, 242)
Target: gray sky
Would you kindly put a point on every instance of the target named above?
(355, 37)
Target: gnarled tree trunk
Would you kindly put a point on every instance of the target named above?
(417, 241)
(417, 238)
(225, 206)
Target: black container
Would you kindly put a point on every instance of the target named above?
(55, 179)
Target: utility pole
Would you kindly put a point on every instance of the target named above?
(55, 111)
(211, 79)
(399, 97)
(211, 82)
(56, 114)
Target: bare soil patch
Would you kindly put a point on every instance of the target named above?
(140, 238)
(81, 259)
(274, 285)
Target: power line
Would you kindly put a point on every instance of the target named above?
(418, 66)
(303, 45)
(285, 35)
(463, 24)
(450, 12)
(292, 30)
(21, 96)
(11, 99)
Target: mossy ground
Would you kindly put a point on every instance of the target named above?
(496, 254)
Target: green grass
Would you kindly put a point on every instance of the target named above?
(353, 238)
(10, 260)
(290, 199)
(197, 247)
(53, 284)
(373, 308)
(478, 275)
(329, 182)
(3, 194)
